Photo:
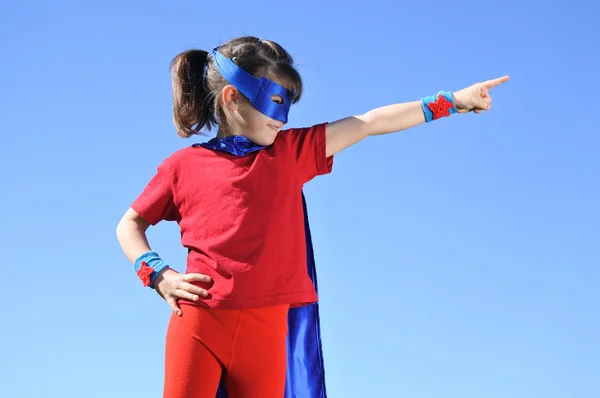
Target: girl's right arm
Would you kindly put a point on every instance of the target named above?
(131, 233)
(170, 284)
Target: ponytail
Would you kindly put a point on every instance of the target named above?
(197, 82)
(193, 104)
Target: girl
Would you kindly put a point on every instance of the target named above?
(238, 201)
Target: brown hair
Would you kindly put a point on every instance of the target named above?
(197, 82)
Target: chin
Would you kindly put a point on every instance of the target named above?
(267, 139)
(266, 142)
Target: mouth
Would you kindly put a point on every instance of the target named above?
(274, 127)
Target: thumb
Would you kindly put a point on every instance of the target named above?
(483, 90)
(481, 101)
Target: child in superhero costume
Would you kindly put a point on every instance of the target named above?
(245, 316)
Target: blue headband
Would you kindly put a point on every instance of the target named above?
(257, 90)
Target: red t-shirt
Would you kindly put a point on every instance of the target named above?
(242, 217)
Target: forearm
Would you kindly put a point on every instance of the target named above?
(131, 233)
(387, 119)
(393, 118)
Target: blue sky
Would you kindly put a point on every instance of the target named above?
(457, 259)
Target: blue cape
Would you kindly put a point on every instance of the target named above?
(305, 371)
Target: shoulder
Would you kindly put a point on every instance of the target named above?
(294, 131)
(298, 136)
(178, 158)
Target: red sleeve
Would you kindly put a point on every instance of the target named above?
(156, 201)
(308, 146)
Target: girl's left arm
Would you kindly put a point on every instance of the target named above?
(388, 119)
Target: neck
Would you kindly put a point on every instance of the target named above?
(226, 131)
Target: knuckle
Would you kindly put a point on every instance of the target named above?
(189, 296)
(203, 278)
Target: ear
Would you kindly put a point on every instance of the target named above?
(230, 97)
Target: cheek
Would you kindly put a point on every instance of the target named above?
(256, 119)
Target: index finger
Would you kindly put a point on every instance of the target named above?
(496, 82)
(196, 278)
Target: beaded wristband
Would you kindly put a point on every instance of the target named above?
(438, 106)
(147, 266)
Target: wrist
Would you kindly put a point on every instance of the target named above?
(148, 266)
(161, 276)
(459, 102)
(443, 104)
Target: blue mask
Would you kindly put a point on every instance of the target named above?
(257, 90)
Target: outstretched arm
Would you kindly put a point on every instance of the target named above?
(388, 119)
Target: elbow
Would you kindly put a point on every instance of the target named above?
(367, 124)
(121, 229)
(130, 222)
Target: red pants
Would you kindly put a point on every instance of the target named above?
(247, 346)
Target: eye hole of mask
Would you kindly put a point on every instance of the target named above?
(277, 99)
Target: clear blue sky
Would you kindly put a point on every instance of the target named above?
(459, 259)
